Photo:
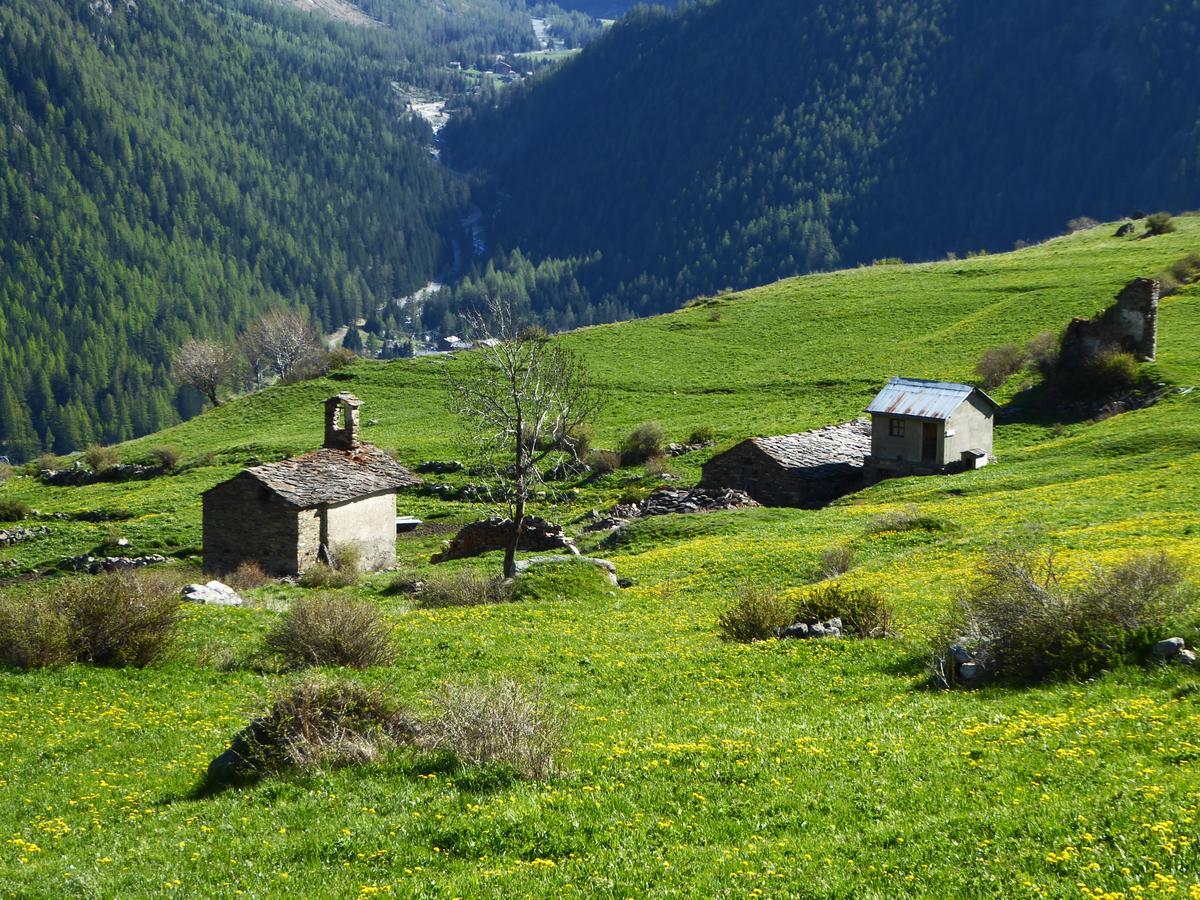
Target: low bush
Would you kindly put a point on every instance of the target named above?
(604, 462)
(1081, 223)
(47, 462)
(347, 559)
(247, 576)
(101, 459)
(864, 612)
(646, 441)
(1107, 375)
(836, 561)
(13, 510)
(1160, 223)
(703, 434)
(907, 518)
(466, 587)
(659, 466)
(317, 723)
(1042, 352)
(999, 364)
(326, 577)
(330, 630)
(756, 615)
(319, 364)
(125, 619)
(499, 723)
(167, 457)
(6, 472)
(580, 440)
(1024, 625)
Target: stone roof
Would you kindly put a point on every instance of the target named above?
(333, 476)
(920, 399)
(818, 454)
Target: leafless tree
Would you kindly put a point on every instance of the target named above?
(205, 366)
(277, 341)
(524, 396)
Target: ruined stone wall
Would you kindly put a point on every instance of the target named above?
(1130, 325)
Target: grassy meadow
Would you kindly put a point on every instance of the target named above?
(696, 767)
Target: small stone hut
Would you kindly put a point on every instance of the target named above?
(288, 515)
(928, 428)
(808, 470)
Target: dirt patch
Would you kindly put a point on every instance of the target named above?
(339, 11)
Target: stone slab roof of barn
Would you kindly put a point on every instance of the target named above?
(811, 454)
(920, 399)
(333, 476)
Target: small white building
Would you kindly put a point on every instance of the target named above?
(923, 427)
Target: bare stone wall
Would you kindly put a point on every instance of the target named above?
(245, 522)
(1130, 325)
(369, 523)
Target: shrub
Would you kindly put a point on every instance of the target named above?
(328, 630)
(579, 441)
(123, 619)
(6, 472)
(320, 575)
(659, 466)
(33, 633)
(907, 518)
(633, 493)
(755, 615)
(167, 457)
(496, 724)
(836, 561)
(1025, 626)
(863, 612)
(317, 723)
(646, 441)
(319, 364)
(604, 462)
(247, 576)
(1106, 375)
(1081, 223)
(347, 559)
(703, 434)
(13, 510)
(999, 364)
(46, 462)
(466, 587)
(1042, 352)
(101, 459)
(1160, 223)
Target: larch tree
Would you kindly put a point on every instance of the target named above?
(524, 398)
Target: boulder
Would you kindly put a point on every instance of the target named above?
(1126, 230)
(537, 535)
(524, 565)
(969, 671)
(799, 630)
(1170, 648)
(1186, 657)
(212, 594)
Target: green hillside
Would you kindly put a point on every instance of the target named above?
(732, 144)
(697, 767)
(169, 169)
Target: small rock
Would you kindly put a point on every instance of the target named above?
(1170, 648)
(969, 671)
(817, 631)
(960, 654)
(797, 631)
(1186, 657)
(212, 594)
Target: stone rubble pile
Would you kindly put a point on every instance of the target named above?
(10, 536)
(1175, 650)
(832, 628)
(77, 476)
(684, 449)
(673, 501)
(493, 533)
(94, 565)
(436, 467)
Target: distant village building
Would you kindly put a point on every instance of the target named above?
(928, 428)
(453, 342)
(807, 470)
(289, 515)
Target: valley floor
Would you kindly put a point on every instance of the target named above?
(696, 767)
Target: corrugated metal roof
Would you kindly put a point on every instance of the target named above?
(922, 399)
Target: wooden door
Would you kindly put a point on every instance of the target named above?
(929, 443)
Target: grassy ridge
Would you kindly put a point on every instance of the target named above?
(700, 768)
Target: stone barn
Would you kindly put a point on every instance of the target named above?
(288, 515)
(928, 428)
(807, 470)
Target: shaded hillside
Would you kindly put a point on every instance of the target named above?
(734, 143)
(170, 168)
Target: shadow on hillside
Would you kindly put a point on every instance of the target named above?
(1040, 405)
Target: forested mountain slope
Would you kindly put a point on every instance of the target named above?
(733, 143)
(170, 168)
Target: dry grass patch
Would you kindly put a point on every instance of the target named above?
(330, 630)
